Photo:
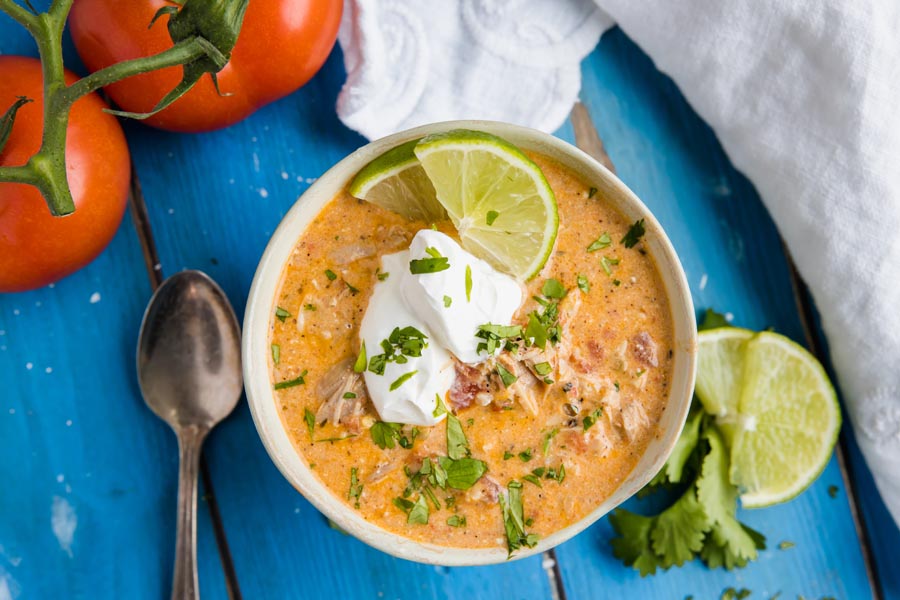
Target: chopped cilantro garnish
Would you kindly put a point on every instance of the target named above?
(505, 376)
(604, 241)
(309, 307)
(532, 478)
(589, 420)
(281, 314)
(526, 455)
(385, 434)
(447, 301)
(402, 343)
(491, 217)
(457, 444)
(464, 472)
(514, 519)
(356, 488)
(361, 361)
(606, 262)
(331, 275)
(299, 380)
(583, 284)
(548, 439)
(353, 290)
(456, 521)
(439, 407)
(592, 192)
(310, 419)
(468, 283)
(543, 368)
(434, 264)
(496, 336)
(552, 288)
(635, 233)
(507, 455)
(418, 514)
(401, 380)
(382, 276)
(276, 353)
(616, 282)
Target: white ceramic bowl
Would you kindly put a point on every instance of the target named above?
(260, 307)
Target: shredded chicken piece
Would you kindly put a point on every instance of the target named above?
(620, 362)
(486, 490)
(348, 412)
(527, 389)
(381, 471)
(344, 255)
(644, 349)
(631, 418)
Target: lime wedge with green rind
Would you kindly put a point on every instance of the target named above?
(720, 362)
(396, 181)
(789, 421)
(498, 198)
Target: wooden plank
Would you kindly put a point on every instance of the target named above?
(213, 201)
(80, 448)
(733, 258)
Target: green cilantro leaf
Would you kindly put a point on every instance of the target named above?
(331, 275)
(384, 434)
(505, 376)
(711, 320)
(468, 283)
(634, 234)
(604, 241)
(583, 284)
(632, 546)
(464, 472)
(422, 266)
(679, 529)
(418, 514)
(457, 444)
(310, 419)
(281, 314)
(360, 365)
(276, 353)
(356, 488)
(447, 301)
(552, 288)
(456, 521)
(401, 380)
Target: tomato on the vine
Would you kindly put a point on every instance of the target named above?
(35, 247)
(282, 44)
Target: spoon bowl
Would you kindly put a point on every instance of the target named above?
(189, 370)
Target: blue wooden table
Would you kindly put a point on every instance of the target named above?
(88, 474)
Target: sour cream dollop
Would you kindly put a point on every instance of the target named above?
(438, 305)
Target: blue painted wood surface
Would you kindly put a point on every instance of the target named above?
(213, 200)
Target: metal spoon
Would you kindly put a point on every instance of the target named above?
(189, 370)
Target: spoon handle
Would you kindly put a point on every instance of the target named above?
(184, 584)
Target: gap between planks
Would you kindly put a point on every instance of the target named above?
(587, 138)
(154, 272)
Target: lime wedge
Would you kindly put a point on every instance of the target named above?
(396, 181)
(497, 198)
(720, 362)
(789, 421)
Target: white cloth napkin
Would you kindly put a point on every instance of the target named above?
(803, 95)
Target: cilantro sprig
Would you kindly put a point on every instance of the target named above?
(701, 522)
(398, 347)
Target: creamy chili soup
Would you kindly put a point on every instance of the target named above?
(550, 431)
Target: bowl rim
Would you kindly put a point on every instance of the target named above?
(267, 280)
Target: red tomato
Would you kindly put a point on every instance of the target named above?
(35, 247)
(280, 47)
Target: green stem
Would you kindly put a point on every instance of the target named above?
(182, 52)
(20, 15)
(19, 174)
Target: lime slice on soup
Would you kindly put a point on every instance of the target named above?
(396, 181)
(497, 198)
(720, 363)
(789, 421)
